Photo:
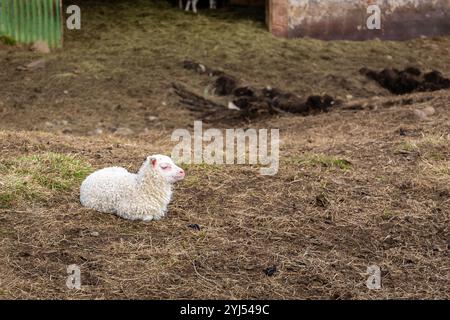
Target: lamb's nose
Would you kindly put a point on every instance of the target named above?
(181, 173)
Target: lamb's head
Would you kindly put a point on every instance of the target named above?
(163, 166)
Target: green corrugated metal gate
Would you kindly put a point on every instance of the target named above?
(27, 21)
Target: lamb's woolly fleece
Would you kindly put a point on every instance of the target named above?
(141, 196)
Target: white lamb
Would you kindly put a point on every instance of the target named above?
(142, 196)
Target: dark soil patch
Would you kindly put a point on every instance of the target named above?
(224, 85)
(194, 226)
(292, 103)
(408, 80)
(270, 271)
(246, 102)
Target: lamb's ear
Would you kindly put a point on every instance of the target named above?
(153, 161)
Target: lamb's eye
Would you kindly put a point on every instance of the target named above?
(165, 166)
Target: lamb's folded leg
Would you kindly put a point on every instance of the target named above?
(147, 218)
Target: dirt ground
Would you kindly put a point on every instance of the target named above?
(364, 184)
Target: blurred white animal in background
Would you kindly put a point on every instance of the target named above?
(193, 4)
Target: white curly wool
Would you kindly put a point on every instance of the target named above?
(141, 196)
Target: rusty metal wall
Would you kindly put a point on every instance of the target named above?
(346, 19)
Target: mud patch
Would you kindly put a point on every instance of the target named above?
(292, 103)
(224, 85)
(408, 80)
(247, 102)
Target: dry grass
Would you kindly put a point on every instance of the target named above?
(321, 225)
(350, 191)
